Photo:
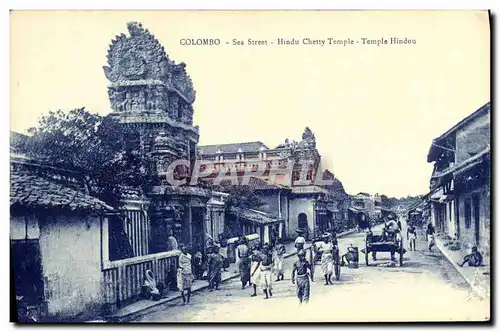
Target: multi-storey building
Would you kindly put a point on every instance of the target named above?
(459, 194)
(307, 204)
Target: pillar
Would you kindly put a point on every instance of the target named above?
(280, 230)
(189, 225)
(266, 234)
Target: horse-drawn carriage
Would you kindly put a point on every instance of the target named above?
(384, 241)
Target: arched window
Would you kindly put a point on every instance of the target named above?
(302, 221)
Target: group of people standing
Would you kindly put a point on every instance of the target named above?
(257, 266)
(216, 262)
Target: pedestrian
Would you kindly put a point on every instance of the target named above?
(214, 262)
(223, 252)
(411, 236)
(300, 242)
(474, 259)
(279, 257)
(171, 242)
(243, 253)
(185, 274)
(430, 236)
(266, 266)
(303, 270)
(327, 260)
(255, 271)
(198, 264)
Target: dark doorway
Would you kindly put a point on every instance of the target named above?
(198, 221)
(303, 221)
(457, 217)
(475, 210)
(26, 264)
(119, 242)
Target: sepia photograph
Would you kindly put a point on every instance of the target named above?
(250, 166)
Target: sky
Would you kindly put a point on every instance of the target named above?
(373, 109)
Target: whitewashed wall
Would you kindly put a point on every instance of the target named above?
(71, 261)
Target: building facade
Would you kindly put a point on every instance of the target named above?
(55, 240)
(459, 196)
(87, 262)
(304, 203)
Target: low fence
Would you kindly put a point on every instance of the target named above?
(123, 279)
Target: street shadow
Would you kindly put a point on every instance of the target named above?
(412, 265)
(346, 279)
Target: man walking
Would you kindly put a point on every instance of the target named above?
(278, 260)
(185, 275)
(303, 270)
(243, 253)
(266, 266)
(411, 236)
(430, 237)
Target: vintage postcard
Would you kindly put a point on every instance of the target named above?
(250, 166)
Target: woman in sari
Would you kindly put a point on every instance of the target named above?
(215, 262)
(185, 275)
(327, 260)
(150, 289)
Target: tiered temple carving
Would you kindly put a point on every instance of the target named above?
(143, 78)
(152, 96)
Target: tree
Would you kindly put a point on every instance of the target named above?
(107, 156)
(240, 197)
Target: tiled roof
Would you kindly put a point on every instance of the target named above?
(181, 190)
(231, 148)
(36, 191)
(260, 184)
(255, 216)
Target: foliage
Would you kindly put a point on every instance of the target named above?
(97, 147)
(402, 202)
(242, 197)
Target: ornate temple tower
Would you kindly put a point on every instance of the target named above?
(153, 97)
(152, 94)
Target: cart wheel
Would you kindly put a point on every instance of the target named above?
(401, 252)
(366, 253)
(337, 269)
(313, 265)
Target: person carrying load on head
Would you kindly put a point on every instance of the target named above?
(300, 241)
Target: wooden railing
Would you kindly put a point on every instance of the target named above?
(123, 279)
